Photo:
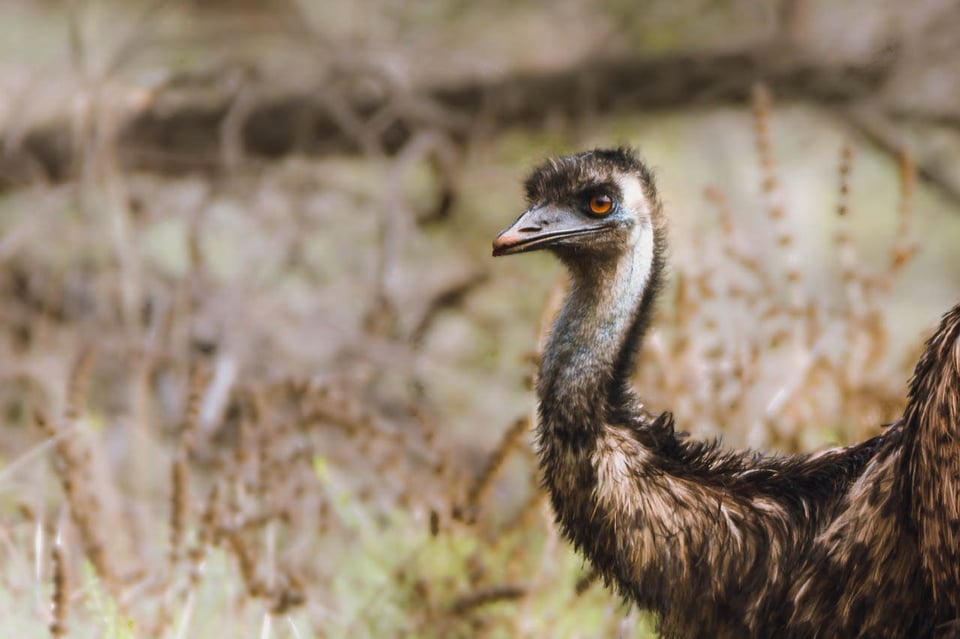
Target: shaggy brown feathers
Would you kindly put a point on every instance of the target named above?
(861, 541)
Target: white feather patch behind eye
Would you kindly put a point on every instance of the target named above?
(634, 273)
(634, 196)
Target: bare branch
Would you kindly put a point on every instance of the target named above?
(178, 135)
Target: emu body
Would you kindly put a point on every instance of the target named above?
(861, 541)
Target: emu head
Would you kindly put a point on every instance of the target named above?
(589, 209)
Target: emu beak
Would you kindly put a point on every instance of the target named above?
(541, 227)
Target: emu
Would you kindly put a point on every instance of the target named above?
(860, 541)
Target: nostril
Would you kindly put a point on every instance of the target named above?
(529, 229)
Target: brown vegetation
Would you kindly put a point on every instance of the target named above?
(252, 385)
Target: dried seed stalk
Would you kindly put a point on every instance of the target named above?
(58, 601)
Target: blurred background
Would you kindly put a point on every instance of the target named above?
(260, 376)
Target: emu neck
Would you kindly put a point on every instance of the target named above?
(590, 353)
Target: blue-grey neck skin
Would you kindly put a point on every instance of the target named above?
(589, 355)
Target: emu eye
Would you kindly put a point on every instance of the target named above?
(601, 204)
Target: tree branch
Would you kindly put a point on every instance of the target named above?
(873, 126)
(176, 134)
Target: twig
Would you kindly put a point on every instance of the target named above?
(873, 127)
(586, 580)
(486, 596)
(446, 298)
(494, 463)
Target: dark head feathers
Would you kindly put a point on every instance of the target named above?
(559, 178)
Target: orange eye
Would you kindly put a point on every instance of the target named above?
(601, 204)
